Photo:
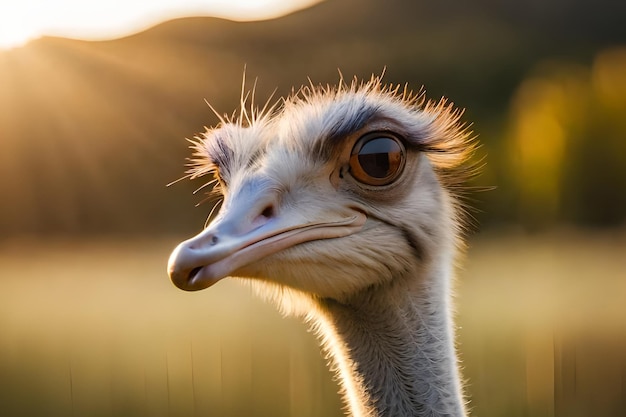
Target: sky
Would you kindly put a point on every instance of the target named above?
(24, 20)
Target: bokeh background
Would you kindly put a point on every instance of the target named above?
(92, 131)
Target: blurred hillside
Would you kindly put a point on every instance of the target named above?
(91, 132)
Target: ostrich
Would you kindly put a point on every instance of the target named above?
(342, 206)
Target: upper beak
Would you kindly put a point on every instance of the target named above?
(244, 233)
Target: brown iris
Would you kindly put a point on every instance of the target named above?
(377, 158)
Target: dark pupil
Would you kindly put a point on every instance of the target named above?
(379, 157)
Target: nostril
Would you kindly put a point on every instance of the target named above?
(196, 245)
(268, 212)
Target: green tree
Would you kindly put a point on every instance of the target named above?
(567, 143)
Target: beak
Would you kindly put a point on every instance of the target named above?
(247, 231)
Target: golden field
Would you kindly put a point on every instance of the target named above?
(95, 328)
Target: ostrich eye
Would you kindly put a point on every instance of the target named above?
(377, 159)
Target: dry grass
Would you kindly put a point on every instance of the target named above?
(95, 328)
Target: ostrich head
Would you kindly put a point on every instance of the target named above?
(342, 189)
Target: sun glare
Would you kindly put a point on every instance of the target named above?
(15, 27)
(24, 20)
(14, 37)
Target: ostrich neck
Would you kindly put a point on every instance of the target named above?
(394, 349)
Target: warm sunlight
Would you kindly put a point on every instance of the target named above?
(24, 20)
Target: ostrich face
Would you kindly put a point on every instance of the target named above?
(331, 195)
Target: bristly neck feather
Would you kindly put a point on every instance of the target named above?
(394, 347)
